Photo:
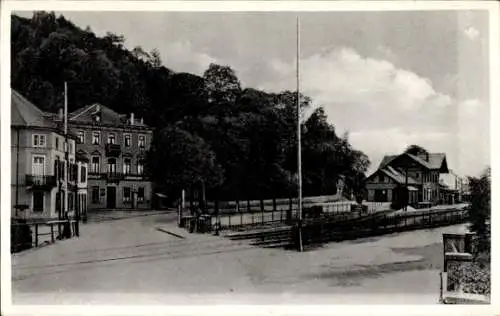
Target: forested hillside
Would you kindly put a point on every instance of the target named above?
(241, 142)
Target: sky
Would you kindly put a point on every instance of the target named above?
(390, 79)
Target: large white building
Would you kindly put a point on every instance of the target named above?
(38, 166)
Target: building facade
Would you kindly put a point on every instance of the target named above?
(39, 167)
(407, 176)
(115, 145)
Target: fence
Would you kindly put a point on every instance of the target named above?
(28, 235)
(378, 224)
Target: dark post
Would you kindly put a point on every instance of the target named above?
(217, 223)
(274, 208)
(36, 235)
(52, 232)
(262, 209)
(248, 205)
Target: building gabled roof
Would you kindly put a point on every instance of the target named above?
(107, 116)
(436, 161)
(397, 176)
(394, 174)
(26, 114)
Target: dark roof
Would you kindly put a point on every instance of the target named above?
(26, 114)
(395, 175)
(435, 161)
(108, 116)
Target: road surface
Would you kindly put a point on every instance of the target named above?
(130, 261)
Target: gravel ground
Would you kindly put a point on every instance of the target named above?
(129, 261)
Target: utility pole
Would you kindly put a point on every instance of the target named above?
(299, 149)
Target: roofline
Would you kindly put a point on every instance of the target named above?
(389, 174)
(83, 111)
(122, 126)
(40, 128)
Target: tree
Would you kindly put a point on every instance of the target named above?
(178, 160)
(154, 58)
(223, 88)
(415, 150)
(204, 126)
(480, 210)
(140, 54)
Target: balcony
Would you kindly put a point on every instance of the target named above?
(41, 181)
(95, 175)
(114, 176)
(135, 176)
(113, 150)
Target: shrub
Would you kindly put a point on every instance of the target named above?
(480, 211)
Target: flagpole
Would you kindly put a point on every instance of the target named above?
(66, 148)
(299, 149)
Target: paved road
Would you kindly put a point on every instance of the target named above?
(130, 261)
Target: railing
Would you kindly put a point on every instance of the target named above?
(98, 175)
(33, 234)
(114, 176)
(379, 224)
(40, 180)
(113, 150)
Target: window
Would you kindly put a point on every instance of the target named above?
(38, 140)
(83, 174)
(381, 178)
(73, 176)
(71, 148)
(38, 201)
(140, 194)
(111, 165)
(81, 137)
(126, 194)
(57, 143)
(96, 138)
(127, 162)
(140, 167)
(38, 167)
(111, 138)
(95, 166)
(128, 140)
(95, 194)
(417, 175)
(142, 141)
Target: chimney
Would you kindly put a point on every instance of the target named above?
(132, 118)
(61, 114)
(97, 107)
(142, 121)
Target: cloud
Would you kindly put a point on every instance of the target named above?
(181, 56)
(472, 33)
(387, 108)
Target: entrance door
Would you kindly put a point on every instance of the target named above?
(111, 197)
